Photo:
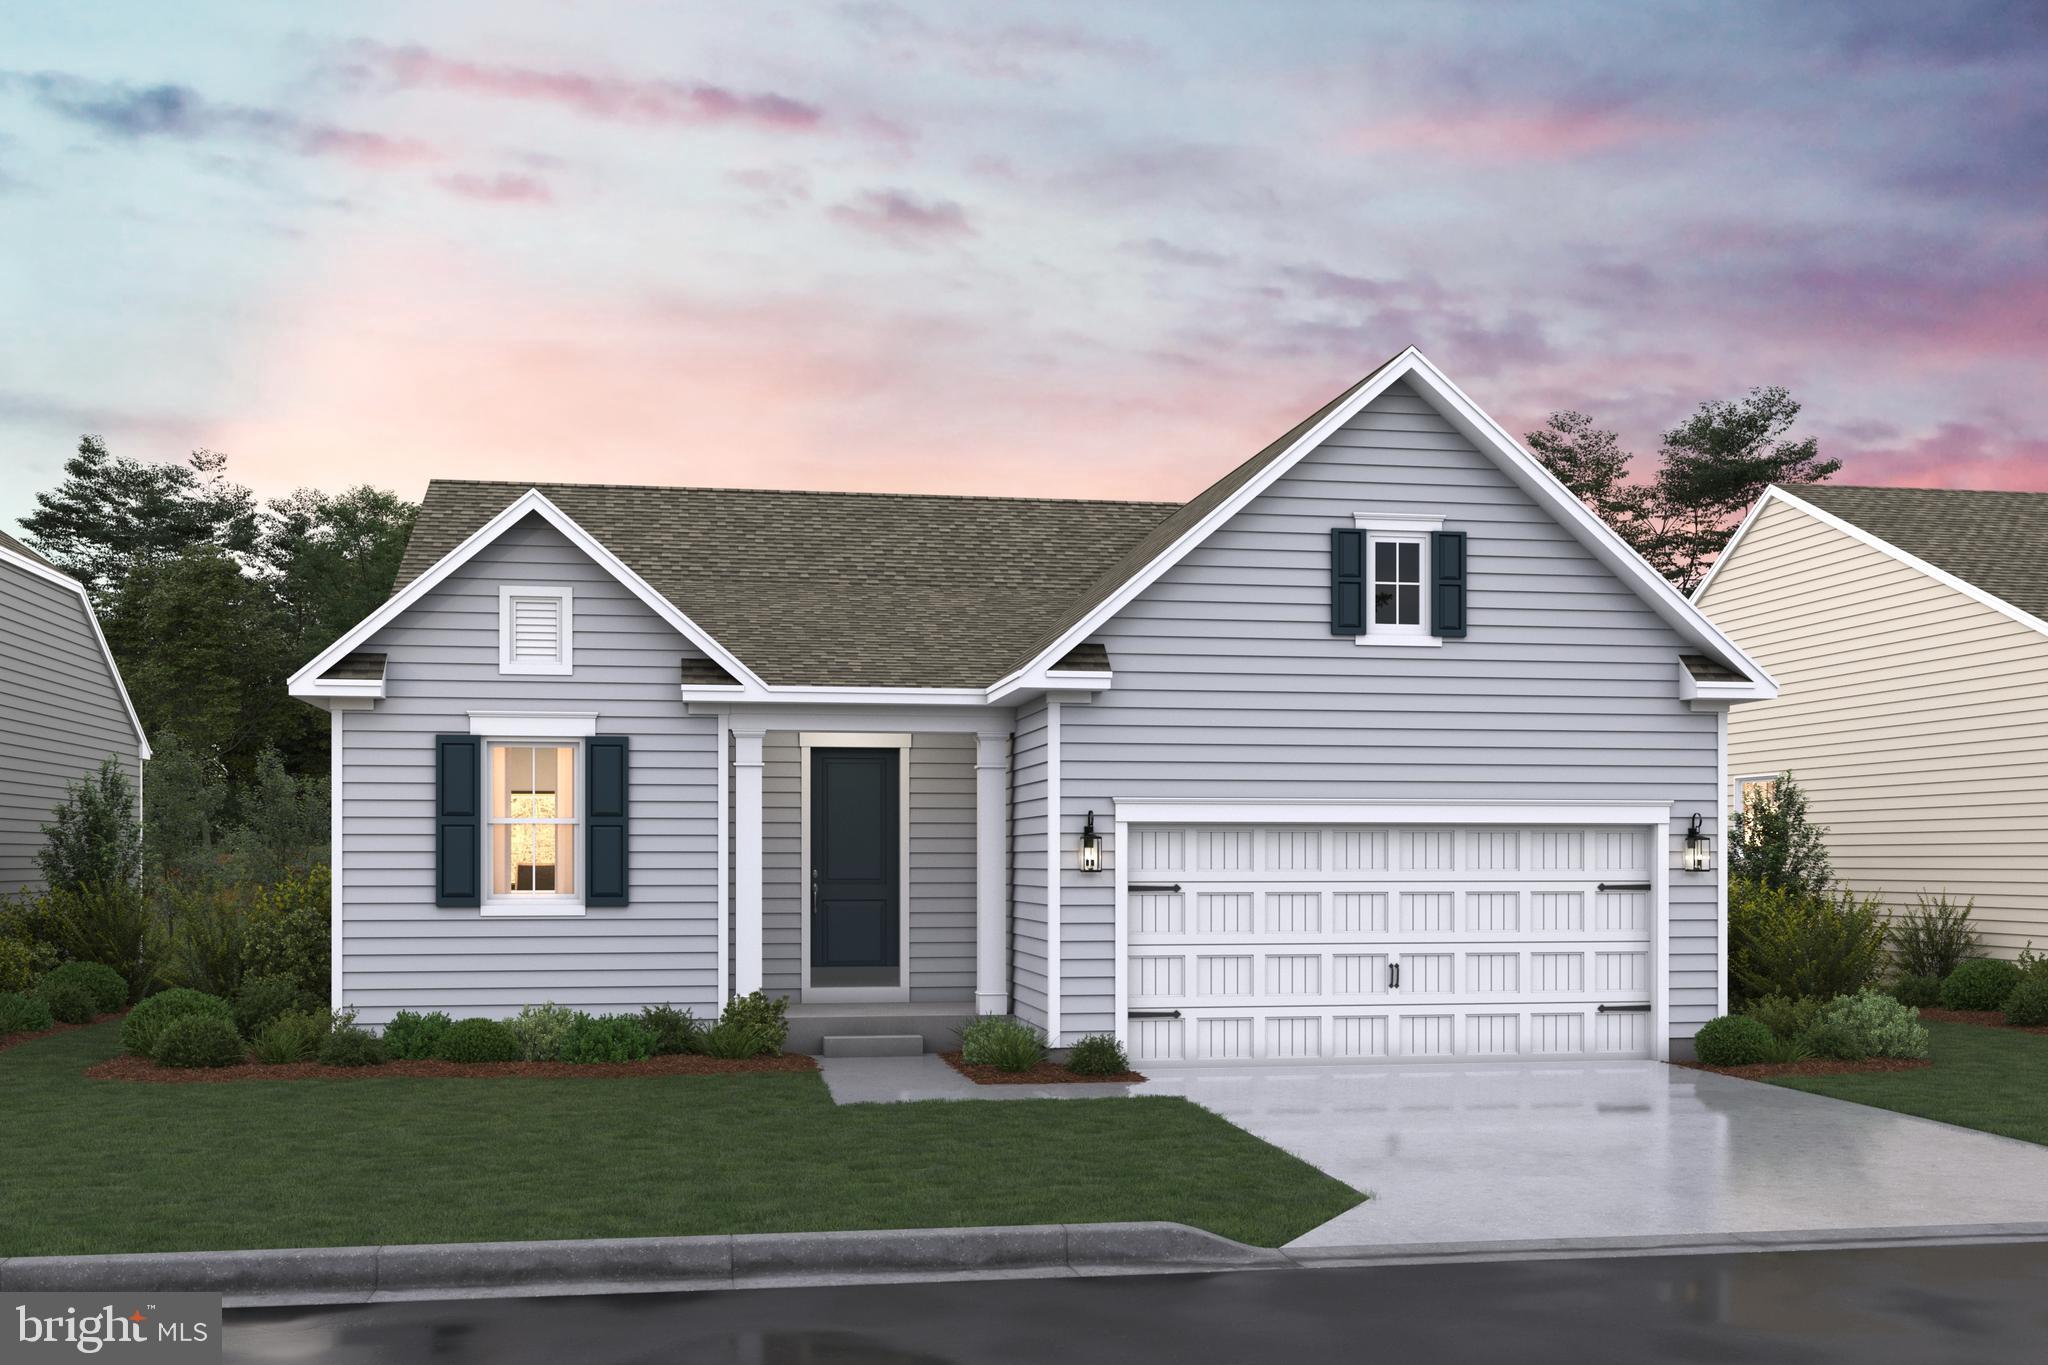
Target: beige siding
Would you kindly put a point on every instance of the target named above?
(1912, 715)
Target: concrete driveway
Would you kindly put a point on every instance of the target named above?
(1517, 1153)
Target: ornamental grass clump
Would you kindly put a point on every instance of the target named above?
(1001, 1042)
(23, 1013)
(1934, 937)
(291, 1037)
(1098, 1054)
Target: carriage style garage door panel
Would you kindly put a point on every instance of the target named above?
(1298, 943)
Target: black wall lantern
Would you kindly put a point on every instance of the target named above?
(1699, 849)
(1091, 846)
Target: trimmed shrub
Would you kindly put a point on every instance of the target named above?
(479, 1040)
(2027, 1006)
(348, 1045)
(1982, 983)
(674, 1031)
(20, 1013)
(107, 987)
(1001, 1042)
(146, 1022)
(1792, 943)
(758, 1011)
(607, 1038)
(1785, 1018)
(291, 1037)
(1868, 1024)
(1098, 1054)
(540, 1030)
(1734, 1040)
(1917, 991)
(412, 1037)
(262, 999)
(199, 1040)
(1934, 937)
(18, 966)
(70, 1002)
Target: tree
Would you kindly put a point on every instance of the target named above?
(285, 823)
(185, 798)
(1712, 467)
(332, 558)
(94, 839)
(1771, 840)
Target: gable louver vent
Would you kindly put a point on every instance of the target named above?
(535, 630)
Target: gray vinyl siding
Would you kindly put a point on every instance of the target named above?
(1229, 684)
(61, 715)
(782, 889)
(1028, 819)
(398, 951)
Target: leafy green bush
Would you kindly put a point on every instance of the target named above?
(209, 948)
(1734, 1040)
(1868, 1024)
(21, 1013)
(1098, 1054)
(1785, 1018)
(288, 931)
(1982, 983)
(1002, 1042)
(1783, 941)
(1772, 842)
(107, 988)
(607, 1038)
(262, 999)
(2027, 1006)
(479, 1040)
(147, 1021)
(70, 1001)
(757, 1010)
(1917, 991)
(348, 1045)
(290, 1037)
(199, 1040)
(736, 1040)
(18, 966)
(94, 839)
(1934, 937)
(540, 1030)
(674, 1031)
(113, 924)
(412, 1037)
(30, 924)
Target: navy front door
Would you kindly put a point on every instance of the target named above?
(856, 872)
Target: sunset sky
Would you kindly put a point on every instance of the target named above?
(1087, 250)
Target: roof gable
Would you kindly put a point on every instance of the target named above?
(13, 552)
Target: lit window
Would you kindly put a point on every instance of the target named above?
(1753, 792)
(533, 820)
(1396, 585)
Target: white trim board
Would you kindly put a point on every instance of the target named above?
(1191, 811)
(829, 995)
(65, 580)
(1912, 561)
(1491, 439)
(533, 724)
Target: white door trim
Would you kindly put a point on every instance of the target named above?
(855, 739)
(1185, 811)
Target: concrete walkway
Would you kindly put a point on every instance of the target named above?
(889, 1080)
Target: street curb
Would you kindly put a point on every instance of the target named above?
(618, 1264)
(1674, 1244)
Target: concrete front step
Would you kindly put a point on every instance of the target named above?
(874, 1045)
(938, 1024)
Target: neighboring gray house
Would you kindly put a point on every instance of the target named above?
(63, 708)
(1382, 747)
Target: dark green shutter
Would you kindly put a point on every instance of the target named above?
(1347, 581)
(458, 822)
(1447, 556)
(606, 785)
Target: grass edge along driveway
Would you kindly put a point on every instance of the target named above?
(111, 1166)
(1994, 1080)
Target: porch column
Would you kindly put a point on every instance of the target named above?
(746, 854)
(991, 874)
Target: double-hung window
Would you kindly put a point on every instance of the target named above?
(1395, 585)
(535, 824)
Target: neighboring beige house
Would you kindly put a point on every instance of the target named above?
(1906, 630)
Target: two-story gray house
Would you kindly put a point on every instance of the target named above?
(1382, 747)
(63, 708)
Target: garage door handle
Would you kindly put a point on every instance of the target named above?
(1624, 1009)
(1153, 886)
(1151, 1014)
(1393, 976)
(1625, 886)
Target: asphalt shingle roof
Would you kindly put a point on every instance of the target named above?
(11, 543)
(1994, 540)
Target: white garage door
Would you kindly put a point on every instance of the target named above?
(1359, 942)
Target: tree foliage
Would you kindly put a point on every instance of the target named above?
(93, 838)
(1772, 841)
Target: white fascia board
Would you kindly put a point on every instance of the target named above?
(1912, 561)
(1694, 689)
(1489, 437)
(533, 724)
(1197, 811)
(533, 501)
(342, 687)
(65, 580)
(1020, 685)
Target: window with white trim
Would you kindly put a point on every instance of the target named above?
(1754, 792)
(1396, 571)
(535, 825)
(536, 630)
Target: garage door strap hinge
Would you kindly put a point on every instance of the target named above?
(1624, 1009)
(1152, 1014)
(1626, 886)
(1153, 886)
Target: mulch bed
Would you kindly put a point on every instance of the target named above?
(1813, 1066)
(1045, 1073)
(125, 1068)
(8, 1040)
(1981, 1018)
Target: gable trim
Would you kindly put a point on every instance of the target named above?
(1491, 439)
(307, 684)
(43, 571)
(1848, 528)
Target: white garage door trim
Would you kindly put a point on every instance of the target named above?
(1655, 817)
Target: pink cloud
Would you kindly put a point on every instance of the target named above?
(497, 189)
(1954, 455)
(1489, 135)
(904, 217)
(615, 98)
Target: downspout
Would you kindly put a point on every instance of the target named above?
(1010, 884)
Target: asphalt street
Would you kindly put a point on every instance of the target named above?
(1915, 1306)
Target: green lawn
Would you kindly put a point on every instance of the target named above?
(103, 1166)
(1988, 1078)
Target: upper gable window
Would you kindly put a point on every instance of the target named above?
(535, 630)
(1395, 585)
